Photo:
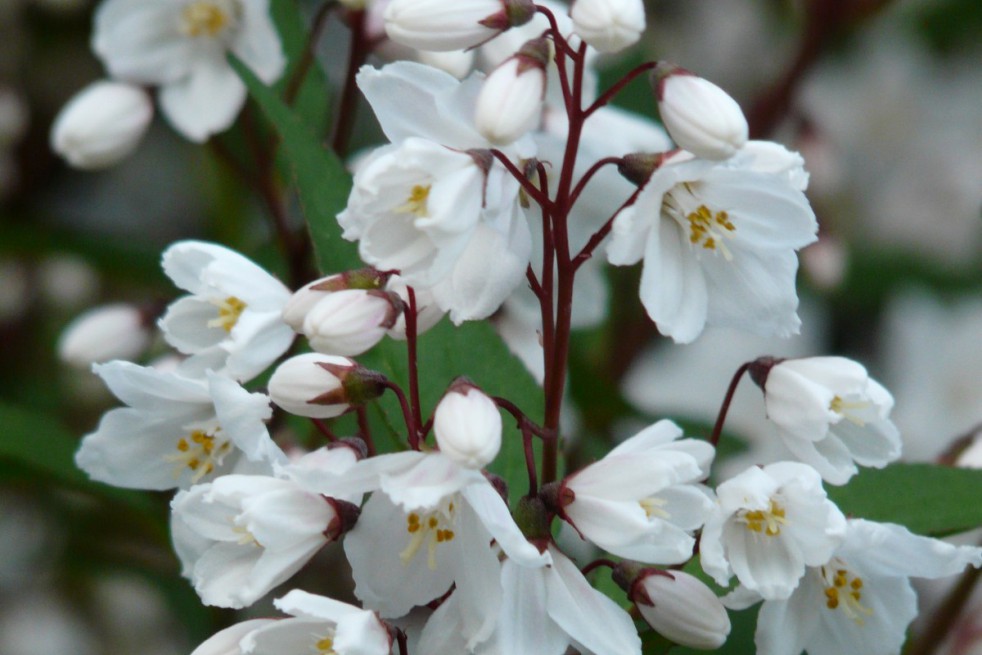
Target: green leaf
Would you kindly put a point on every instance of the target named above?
(927, 499)
(322, 183)
(312, 101)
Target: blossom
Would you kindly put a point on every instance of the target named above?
(609, 25)
(233, 313)
(319, 625)
(433, 25)
(241, 535)
(641, 501)
(467, 425)
(718, 241)
(101, 125)
(175, 430)
(831, 415)
(510, 102)
(116, 331)
(226, 642)
(681, 608)
(322, 386)
(861, 599)
(182, 47)
(769, 524)
(699, 116)
(351, 321)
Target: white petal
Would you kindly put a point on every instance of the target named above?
(204, 102)
(494, 514)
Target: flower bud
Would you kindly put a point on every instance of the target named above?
(117, 331)
(467, 425)
(350, 321)
(301, 302)
(681, 608)
(322, 386)
(699, 116)
(433, 25)
(608, 25)
(428, 313)
(101, 125)
(510, 102)
(456, 62)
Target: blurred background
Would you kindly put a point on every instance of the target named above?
(883, 99)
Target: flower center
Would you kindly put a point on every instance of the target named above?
(229, 311)
(430, 528)
(324, 646)
(653, 507)
(764, 521)
(200, 452)
(843, 590)
(850, 409)
(416, 202)
(706, 228)
(208, 18)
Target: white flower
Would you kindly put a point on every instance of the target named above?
(241, 535)
(682, 608)
(304, 299)
(510, 102)
(718, 241)
(117, 331)
(320, 625)
(609, 25)
(350, 321)
(175, 431)
(428, 313)
(226, 642)
(831, 415)
(641, 501)
(769, 524)
(101, 125)
(860, 600)
(549, 608)
(233, 312)
(321, 386)
(182, 47)
(467, 425)
(435, 25)
(699, 116)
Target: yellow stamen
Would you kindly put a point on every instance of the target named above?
(844, 408)
(653, 507)
(200, 452)
(204, 18)
(416, 203)
(842, 590)
(325, 646)
(767, 522)
(433, 528)
(229, 311)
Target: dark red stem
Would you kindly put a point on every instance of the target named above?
(725, 407)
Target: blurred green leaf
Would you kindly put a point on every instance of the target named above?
(313, 95)
(927, 499)
(322, 183)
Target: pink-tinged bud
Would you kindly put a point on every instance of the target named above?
(322, 386)
(608, 25)
(699, 116)
(351, 321)
(118, 331)
(101, 125)
(510, 102)
(302, 301)
(681, 608)
(467, 425)
(440, 26)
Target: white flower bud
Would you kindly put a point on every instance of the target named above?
(428, 313)
(437, 25)
(510, 102)
(321, 386)
(467, 426)
(683, 609)
(456, 62)
(351, 321)
(101, 125)
(117, 331)
(699, 116)
(608, 25)
(301, 302)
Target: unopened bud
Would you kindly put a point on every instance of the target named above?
(699, 116)
(510, 102)
(637, 167)
(432, 25)
(608, 25)
(681, 608)
(101, 125)
(117, 331)
(322, 386)
(467, 425)
(350, 322)
(456, 62)
(428, 313)
(301, 302)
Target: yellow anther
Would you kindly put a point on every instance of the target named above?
(849, 600)
(653, 507)
(432, 529)
(416, 202)
(229, 311)
(325, 646)
(767, 521)
(204, 18)
(199, 452)
(844, 408)
(706, 229)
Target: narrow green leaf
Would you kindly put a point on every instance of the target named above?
(322, 183)
(927, 499)
(313, 98)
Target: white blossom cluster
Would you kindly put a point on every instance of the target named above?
(452, 216)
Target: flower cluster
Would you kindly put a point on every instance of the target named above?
(490, 189)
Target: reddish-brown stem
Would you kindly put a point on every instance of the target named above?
(527, 185)
(307, 58)
(403, 642)
(358, 50)
(602, 233)
(725, 407)
(597, 563)
(610, 93)
(528, 428)
(365, 430)
(323, 428)
(520, 416)
(407, 414)
(413, 363)
(588, 175)
(533, 282)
